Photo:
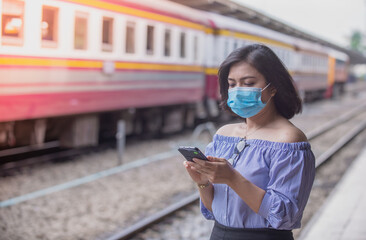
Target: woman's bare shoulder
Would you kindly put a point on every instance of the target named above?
(228, 129)
(290, 134)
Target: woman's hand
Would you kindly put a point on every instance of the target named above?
(215, 170)
(195, 175)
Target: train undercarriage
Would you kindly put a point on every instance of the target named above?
(90, 129)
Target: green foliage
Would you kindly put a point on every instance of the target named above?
(357, 41)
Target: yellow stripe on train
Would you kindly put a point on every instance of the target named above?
(253, 38)
(211, 71)
(49, 62)
(162, 67)
(69, 63)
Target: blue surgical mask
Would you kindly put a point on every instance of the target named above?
(246, 101)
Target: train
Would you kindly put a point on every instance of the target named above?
(71, 70)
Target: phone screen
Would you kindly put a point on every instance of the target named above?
(192, 152)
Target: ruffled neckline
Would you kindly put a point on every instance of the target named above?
(264, 143)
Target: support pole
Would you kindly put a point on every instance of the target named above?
(121, 139)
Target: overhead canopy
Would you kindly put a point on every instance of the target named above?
(235, 10)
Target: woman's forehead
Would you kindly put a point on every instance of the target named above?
(243, 69)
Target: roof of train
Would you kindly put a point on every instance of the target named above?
(338, 55)
(210, 19)
(170, 8)
(219, 21)
(233, 24)
(235, 10)
(242, 26)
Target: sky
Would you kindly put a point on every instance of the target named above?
(331, 20)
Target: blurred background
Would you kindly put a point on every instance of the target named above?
(89, 88)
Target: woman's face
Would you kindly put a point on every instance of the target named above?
(243, 74)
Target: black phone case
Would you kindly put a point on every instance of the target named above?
(192, 152)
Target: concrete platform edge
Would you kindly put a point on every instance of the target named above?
(305, 232)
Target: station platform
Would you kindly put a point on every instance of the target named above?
(343, 215)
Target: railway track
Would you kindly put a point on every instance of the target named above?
(19, 153)
(358, 124)
(15, 159)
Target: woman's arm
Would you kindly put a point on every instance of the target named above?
(218, 170)
(205, 187)
(249, 192)
(207, 194)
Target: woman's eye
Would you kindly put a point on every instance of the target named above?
(231, 85)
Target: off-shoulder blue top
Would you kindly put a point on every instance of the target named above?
(284, 170)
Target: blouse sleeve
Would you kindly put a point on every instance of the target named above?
(209, 151)
(291, 177)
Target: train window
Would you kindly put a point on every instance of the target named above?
(49, 26)
(167, 42)
(195, 48)
(230, 46)
(235, 44)
(226, 48)
(304, 60)
(288, 58)
(280, 53)
(283, 54)
(107, 34)
(81, 32)
(150, 40)
(12, 22)
(182, 45)
(130, 37)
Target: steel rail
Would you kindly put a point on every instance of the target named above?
(335, 122)
(142, 225)
(57, 154)
(62, 154)
(8, 153)
(340, 144)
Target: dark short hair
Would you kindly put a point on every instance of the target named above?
(265, 61)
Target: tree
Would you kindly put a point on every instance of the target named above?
(356, 41)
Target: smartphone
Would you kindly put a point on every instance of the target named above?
(192, 152)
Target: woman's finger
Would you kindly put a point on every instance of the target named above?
(215, 159)
(206, 165)
(199, 161)
(200, 167)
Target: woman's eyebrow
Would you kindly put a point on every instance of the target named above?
(243, 78)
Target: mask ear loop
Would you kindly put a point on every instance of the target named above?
(265, 89)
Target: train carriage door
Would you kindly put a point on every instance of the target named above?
(167, 42)
(150, 40)
(81, 31)
(49, 26)
(182, 45)
(130, 37)
(107, 34)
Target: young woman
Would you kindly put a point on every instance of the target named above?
(260, 171)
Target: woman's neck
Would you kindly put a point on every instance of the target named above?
(267, 115)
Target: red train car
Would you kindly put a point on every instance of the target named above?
(63, 63)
